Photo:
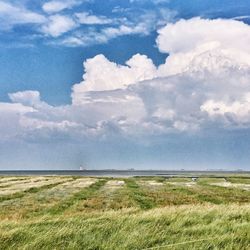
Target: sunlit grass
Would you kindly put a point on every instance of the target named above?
(124, 213)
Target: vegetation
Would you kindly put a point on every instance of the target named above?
(129, 213)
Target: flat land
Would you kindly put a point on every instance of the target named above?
(76, 212)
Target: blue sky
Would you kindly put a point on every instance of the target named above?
(164, 84)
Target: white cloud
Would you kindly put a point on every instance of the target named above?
(241, 17)
(91, 37)
(199, 43)
(10, 114)
(57, 6)
(58, 25)
(141, 24)
(34, 124)
(11, 15)
(203, 83)
(86, 18)
(54, 22)
(140, 28)
(101, 75)
(203, 86)
(28, 98)
(226, 33)
(204, 79)
(237, 111)
(15, 108)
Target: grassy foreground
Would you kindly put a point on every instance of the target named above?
(133, 213)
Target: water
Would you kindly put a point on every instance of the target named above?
(120, 173)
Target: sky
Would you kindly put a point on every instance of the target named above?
(142, 84)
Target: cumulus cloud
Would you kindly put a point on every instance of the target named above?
(10, 114)
(17, 108)
(200, 81)
(197, 31)
(28, 98)
(204, 83)
(102, 75)
(197, 43)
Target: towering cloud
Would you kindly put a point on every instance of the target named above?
(204, 83)
(202, 44)
(103, 75)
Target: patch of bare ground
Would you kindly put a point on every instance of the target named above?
(114, 184)
(151, 183)
(18, 181)
(79, 183)
(33, 183)
(10, 179)
(232, 185)
(184, 184)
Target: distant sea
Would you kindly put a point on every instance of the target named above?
(122, 173)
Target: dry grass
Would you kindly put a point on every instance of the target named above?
(185, 184)
(151, 183)
(10, 179)
(232, 185)
(78, 183)
(19, 186)
(114, 184)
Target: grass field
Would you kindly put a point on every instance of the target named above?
(73, 212)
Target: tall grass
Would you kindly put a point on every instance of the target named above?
(184, 227)
(136, 215)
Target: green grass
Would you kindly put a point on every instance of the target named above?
(200, 227)
(136, 215)
(136, 193)
(239, 180)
